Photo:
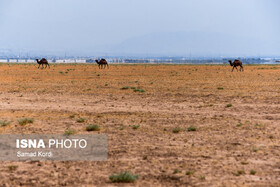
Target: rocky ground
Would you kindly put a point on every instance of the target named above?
(235, 116)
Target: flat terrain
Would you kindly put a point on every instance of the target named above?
(235, 114)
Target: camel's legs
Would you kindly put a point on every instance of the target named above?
(232, 69)
(39, 66)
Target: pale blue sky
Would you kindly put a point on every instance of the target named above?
(83, 25)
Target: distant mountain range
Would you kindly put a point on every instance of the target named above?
(188, 44)
(193, 43)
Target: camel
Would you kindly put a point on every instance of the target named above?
(235, 64)
(102, 62)
(43, 61)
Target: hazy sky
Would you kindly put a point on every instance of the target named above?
(77, 25)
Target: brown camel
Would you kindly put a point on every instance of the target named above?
(43, 61)
(235, 64)
(102, 62)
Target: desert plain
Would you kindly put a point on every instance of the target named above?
(172, 125)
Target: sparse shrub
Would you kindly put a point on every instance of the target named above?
(189, 172)
(229, 105)
(176, 171)
(192, 128)
(256, 149)
(4, 123)
(253, 172)
(81, 120)
(139, 90)
(239, 172)
(239, 124)
(133, 88)
(177, 130)
(135, 126)
(69, 132)
(125, 88)
(220, 88)
(124, 177)
(24, 121)
(94, 127)
(72, 116)
(12, 167)
(244, 163)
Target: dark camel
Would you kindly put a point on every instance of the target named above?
(102, 62)
(43, 61)
(235, 64)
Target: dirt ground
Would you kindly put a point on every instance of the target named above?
(236, 116)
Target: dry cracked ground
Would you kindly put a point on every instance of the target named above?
(235, 116)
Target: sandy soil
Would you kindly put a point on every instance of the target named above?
(244, 137)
